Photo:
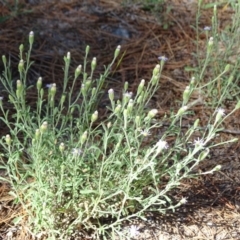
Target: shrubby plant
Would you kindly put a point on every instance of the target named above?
(75, 171)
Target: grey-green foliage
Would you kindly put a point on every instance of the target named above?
(71, 169)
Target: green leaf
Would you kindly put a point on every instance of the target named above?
(87, 191)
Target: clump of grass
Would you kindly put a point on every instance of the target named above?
(71, 171)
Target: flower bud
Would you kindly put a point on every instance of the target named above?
(83, 137)
(87, 50)
(88, 83)
(4, 60)
(72, 110)
(137, 121)
(140, 98)
(8, 140)
(21, 66)
(37, 133)
(19, 89)
(31, 38)
(125, 87)
(195, 125)
(118, 108)
(219, 116)
(78, 71)
(63, 98)
(53, 90)
(41, 93)
(215, 9)
(83, 90)
(186, 94)
(156, 70)
(21, 48)
(203, 154)
(227, 68)
(130, 106)
(155, 79)
(93, 91)
(192, 82)
(111, 94)
(62, 147)
(94, 116)
(68, 56)
(152, 113)
(210, 44)
(181, 111)
(217, 168)
(230, 79)
(109, 124)
(39, 83)
(11, 99)
(19, 85)
(140, 86)
(44, 127)
(126, 97)
(93, 64)
(117, 51)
